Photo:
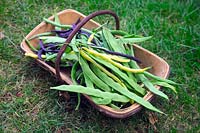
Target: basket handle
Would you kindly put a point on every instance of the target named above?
(76, 29)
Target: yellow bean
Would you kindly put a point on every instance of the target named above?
(90, 38)
(84, 55)
(116, 58)
(34, 55)
(115, 63)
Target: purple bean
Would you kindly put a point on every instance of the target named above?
(119, 54)
(40, 54)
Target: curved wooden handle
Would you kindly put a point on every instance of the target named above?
(76, 29)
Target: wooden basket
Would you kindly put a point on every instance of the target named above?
(159, 66)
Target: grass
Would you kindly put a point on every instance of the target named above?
(27, 104)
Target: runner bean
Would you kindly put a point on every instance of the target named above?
(117, 87)
(92, 92)
(87, 71)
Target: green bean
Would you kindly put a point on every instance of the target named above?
(50, 57)
(145, 80)
(117, 87)
(164, 84)
(39, 35)
(30, 45)
(117, 58)
(100, 67)
(69, 56)
(131, 41)
(86, 71)
(115, 63)
(103, 78)
(117, 48)
(114, 55)
(73, 72)
(159, 78)
(102, 101)
(133, 36)
(56, 24)
(130, 74)
(104, 44)
(123, 50)
(121, 74)
(52, 39)
(73, 45)
(64, 26)
(111, 41)
(92, 92)
(119, 32)
(100, 27)
(88, 82)
(97, 100)
(66, 56)
(56, 19)
(114, 106)
(73, 77)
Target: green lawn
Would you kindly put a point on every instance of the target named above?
(27, 104)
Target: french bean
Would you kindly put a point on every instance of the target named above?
(56, 19)
(34, 55)
(119, 32)
(130, 74)
(100, 67)
(111, 41)
(92, 92)
(91, 37)
(88, 82)
(116, 58)
(133, 36)
(117, 87)
(104, 42)
(73, 77)
(97, 100)
(87, 71)
(30, 45)
(131, 41)
(63, 26)
(121, 74)
(115, 63)
(117, 53)
(102, 101)
(39, 35)
(146, 81)
(165, 84)
(159, 78)
(73, 72)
